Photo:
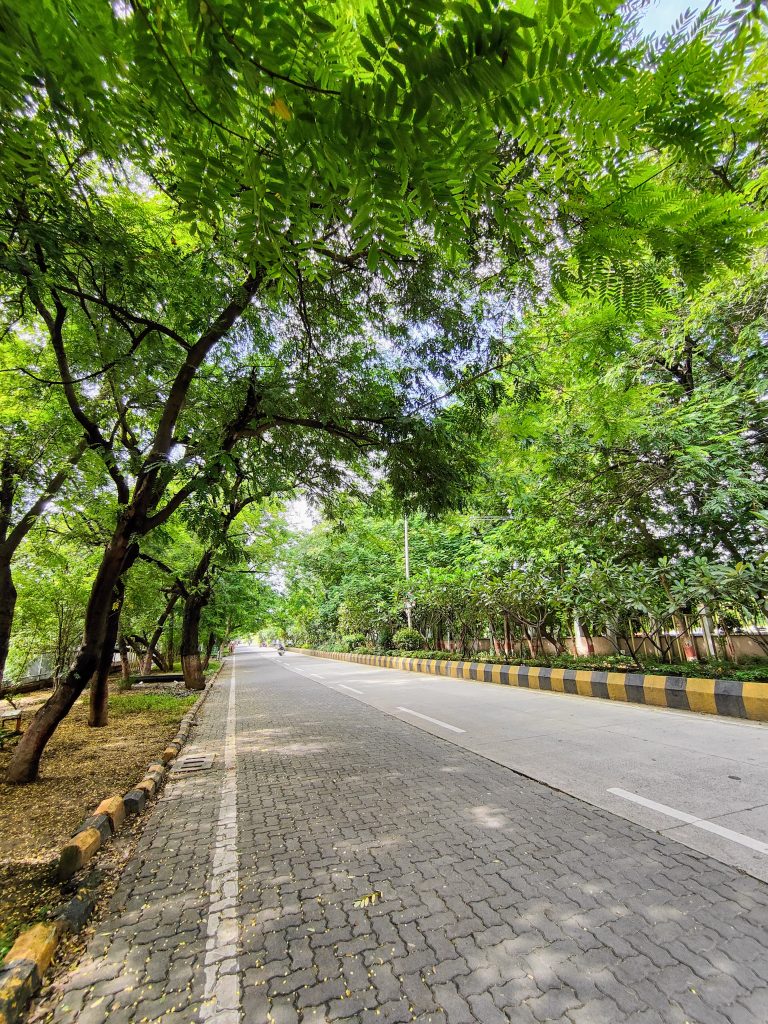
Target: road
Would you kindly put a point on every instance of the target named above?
(334, 863)
(711, 769)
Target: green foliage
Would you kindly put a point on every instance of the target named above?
(123, 704)
(51, 602)
(352, 642)
(623, 485)
(407, 639)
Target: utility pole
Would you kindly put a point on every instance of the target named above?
(407, 571)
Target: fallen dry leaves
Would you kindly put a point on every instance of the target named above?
(80, 767)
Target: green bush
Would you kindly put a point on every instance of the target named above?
(384, 639)
(407, 639)
(352, 641)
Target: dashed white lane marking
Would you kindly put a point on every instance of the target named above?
(691, 819)
(222, 996)
(350, 688)
(434, 721)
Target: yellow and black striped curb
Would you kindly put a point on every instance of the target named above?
(710, 696)
(22, 970)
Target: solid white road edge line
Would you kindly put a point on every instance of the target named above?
(691, 819)
(350, 688)
(434, 721)
(221, 996)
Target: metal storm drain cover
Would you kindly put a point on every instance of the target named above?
(193, 763)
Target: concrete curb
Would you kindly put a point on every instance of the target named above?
(22, 970)
(729, 697)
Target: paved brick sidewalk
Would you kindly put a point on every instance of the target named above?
(501, 900)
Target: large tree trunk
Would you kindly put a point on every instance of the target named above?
(209, 650)
(25, 763)
(150, 656)
(146, 663)
(98, 715)
(7, 608)
(197, 597)
(191, 664)
(154, 640)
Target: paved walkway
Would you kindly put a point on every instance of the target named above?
(500, 900)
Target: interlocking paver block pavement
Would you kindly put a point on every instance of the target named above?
(500, 899)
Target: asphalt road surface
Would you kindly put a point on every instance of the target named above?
(662, 762)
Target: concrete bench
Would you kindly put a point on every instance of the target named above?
(161, 677)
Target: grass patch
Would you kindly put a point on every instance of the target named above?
(213, 664)
(123, 705)
(81, 766)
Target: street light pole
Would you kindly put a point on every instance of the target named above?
(407, 570)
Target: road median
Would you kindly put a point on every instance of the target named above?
(729, 697)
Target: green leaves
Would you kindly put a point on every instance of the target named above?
(276, 136)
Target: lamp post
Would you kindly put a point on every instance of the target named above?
(408, 602)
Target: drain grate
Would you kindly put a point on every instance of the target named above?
(193, 763)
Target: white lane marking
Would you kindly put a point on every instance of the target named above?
(350, 688)
(222, 996)
(691, 819)
(434, 721)
(662, 808)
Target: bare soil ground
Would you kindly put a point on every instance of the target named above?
(80, 768)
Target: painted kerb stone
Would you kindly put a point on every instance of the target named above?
(729, 697)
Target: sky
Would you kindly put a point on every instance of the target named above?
(662, 14)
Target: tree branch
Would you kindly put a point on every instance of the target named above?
(327, 426)
(96, 440)
(24, 525)
(197, 353)
(117, 312)
(171, 506)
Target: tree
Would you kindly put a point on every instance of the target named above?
(198, 588)
(190, 232)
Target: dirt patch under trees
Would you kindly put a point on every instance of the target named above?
(80, 767)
